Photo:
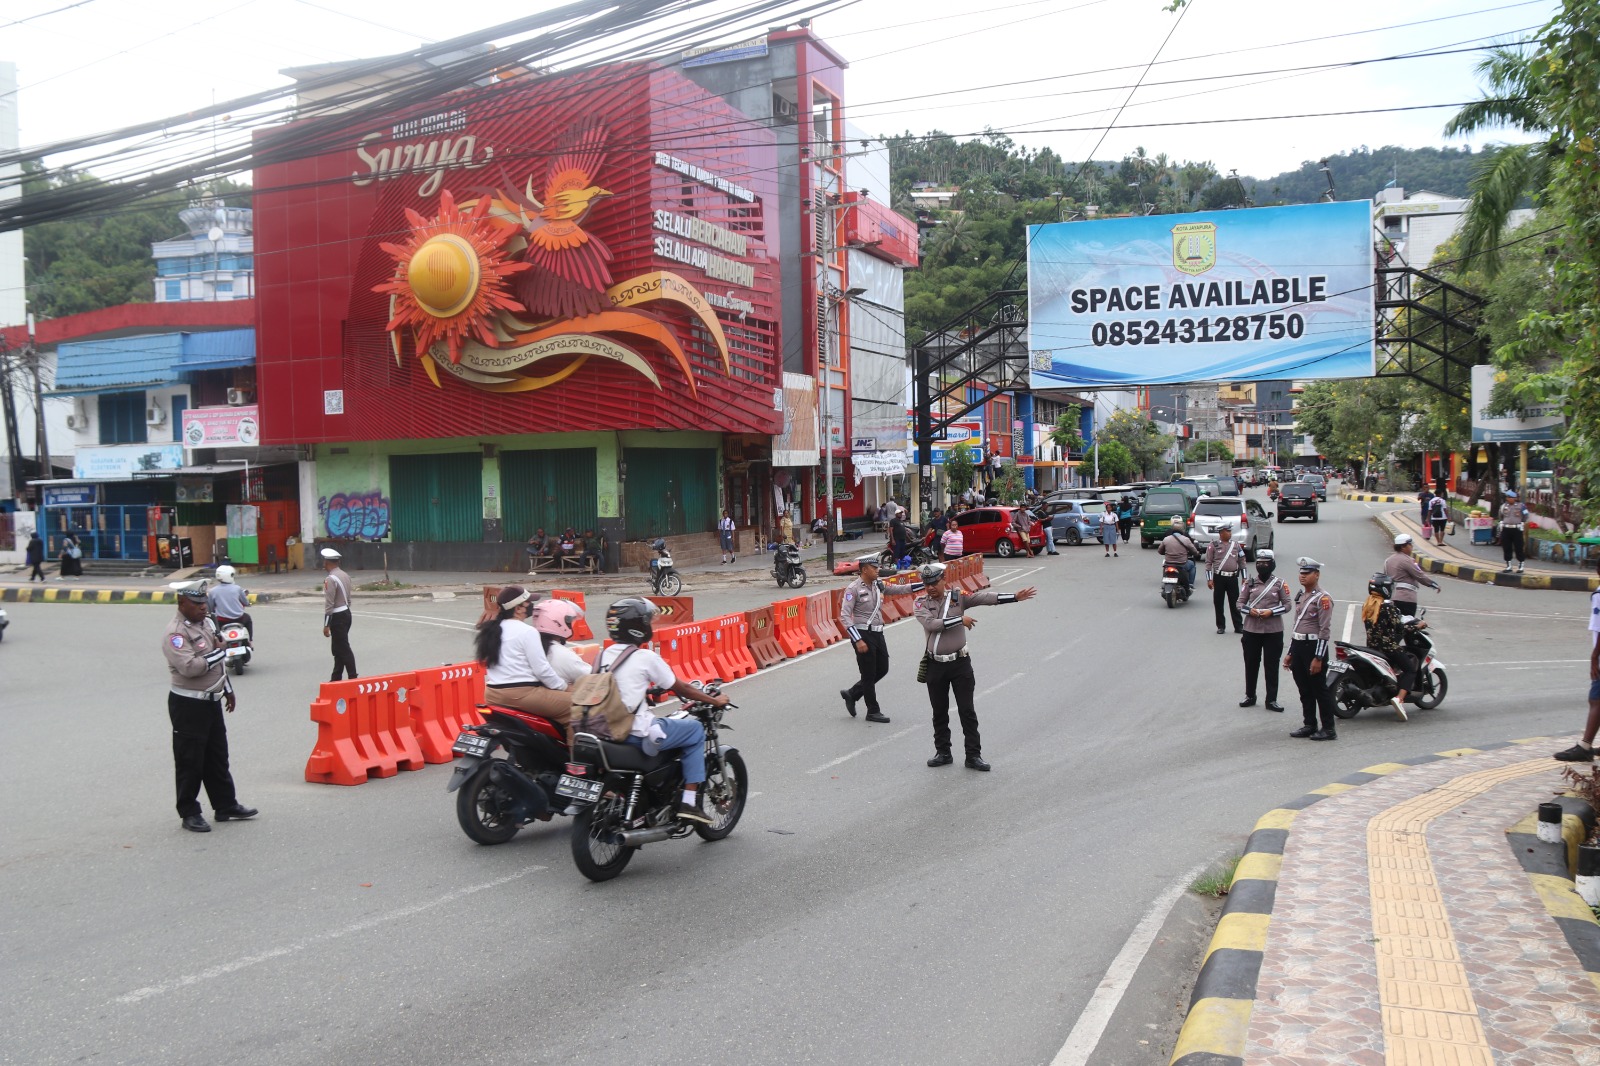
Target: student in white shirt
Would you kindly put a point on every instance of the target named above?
(518, 673)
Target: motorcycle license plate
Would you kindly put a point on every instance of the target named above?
(579, 788)
(471, 744)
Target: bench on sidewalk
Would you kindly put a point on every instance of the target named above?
(562, 564)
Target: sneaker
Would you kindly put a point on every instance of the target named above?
(1520, 569)
(1399, 708)
(692, 813)
(1507, 570)
(1576, 753)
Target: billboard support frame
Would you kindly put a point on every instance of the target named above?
(1439, 332)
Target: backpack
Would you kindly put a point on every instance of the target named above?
(597, 706)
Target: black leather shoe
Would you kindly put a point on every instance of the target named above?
(196, 823)
(975, 762)
(849, 701)
(238, 812)
(874, 716)
(1248, 701)
(1303, 732)
(1324, 734)
(1222, 631)
(1274, 705)
(941, 759)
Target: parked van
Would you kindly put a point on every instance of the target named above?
(1161, 506)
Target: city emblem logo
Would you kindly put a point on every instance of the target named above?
(1194, 246)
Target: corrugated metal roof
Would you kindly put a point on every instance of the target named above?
(120, 362)
(219, 350)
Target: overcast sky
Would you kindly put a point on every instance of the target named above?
(102, 64)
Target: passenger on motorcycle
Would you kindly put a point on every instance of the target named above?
(1178, 550)
(554, 619)
(1386, 634)
(629, 622)
(227, 601)
(518, 673)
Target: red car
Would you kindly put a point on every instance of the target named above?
(988, 531)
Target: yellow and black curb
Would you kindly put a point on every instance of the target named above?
(1489, 575)
(1550, 868)
(60, 595)
(1215, 1028)
(1369, 497)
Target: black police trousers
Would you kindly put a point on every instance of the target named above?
(874, 666)
(200, 753)
(1315, 697)
(1263, 651)
(943, 678)
(1226, 588)
(344, 660)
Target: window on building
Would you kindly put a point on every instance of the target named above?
(122, 418)
(225, 286)
(174, 290)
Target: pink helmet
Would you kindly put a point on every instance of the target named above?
(555, 617)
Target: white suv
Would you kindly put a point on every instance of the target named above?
(1251, 523)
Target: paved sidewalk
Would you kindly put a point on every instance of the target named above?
(1407, 914)
(1483, 563)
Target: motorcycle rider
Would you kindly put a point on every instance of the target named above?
(1386, 634)
(518, 674)
(1266, 600)
(629, 624)
(227, 601)
(1178, 550)
(554, 619)
(1407, 575)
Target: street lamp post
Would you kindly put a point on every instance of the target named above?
(825, 361)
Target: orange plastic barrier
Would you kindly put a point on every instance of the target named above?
(580, 630)
(675, 610)
(686, 649)
(789, 620)
(761, 635)
(443, 703)
(969, 570)
(979, 578)
(587, 652)
(731, 632)
(363, 728)
(821, 622)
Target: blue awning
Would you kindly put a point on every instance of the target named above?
(118, 363)
(220, 350)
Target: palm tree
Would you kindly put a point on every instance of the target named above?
(1506, 174)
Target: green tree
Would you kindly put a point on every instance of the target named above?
(1147, 446)
(1065, 433)
(1114, 461)
(958, 467)
(1010, 486)
(1202, 451)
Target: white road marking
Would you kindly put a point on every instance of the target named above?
(1496, 614)
(998, 685)
(1349, 621)
(1016, 576)
(1519, 662)
(863, 750)
(418, 620)
(363, 925)
(1091, 1024)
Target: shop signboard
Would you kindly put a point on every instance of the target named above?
(220, 427)
(1261, 293)
(70, 496)
(120, 462)
(1539, 422)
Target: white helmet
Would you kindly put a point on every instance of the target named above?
(555, 617)
(1402, 539)
(225, 574)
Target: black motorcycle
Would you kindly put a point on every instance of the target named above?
(1174, 589)
(786, 568)
(627, 799)
(498, 796)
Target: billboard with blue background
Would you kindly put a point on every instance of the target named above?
(1249, 295)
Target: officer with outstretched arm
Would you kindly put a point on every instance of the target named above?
(861, 618)
(1402, 566)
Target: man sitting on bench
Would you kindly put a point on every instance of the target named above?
(541, 550)
(592, 549)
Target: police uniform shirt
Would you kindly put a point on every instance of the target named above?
(194, 657)
(1270, 595)
(1512, 515)
(861, 606)
(1407, 577)
(941, 617)
(335, 593)
(1223, 558)
(1314, 618)
(1177, 548)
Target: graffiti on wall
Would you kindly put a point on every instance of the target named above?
(355, 515)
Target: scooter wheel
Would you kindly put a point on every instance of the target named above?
(1435, 696)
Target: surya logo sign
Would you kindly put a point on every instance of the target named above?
(430, 145)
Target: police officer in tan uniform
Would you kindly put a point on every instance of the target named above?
(336, 615)
(1308, 653)
(861, 618)
(199, 691)
(1266, 600)
(1224, 560)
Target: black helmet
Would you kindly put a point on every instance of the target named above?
(1381, 585)
(628, 621)
(659, 544)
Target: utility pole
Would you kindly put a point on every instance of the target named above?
(8, 363)
(45, 468)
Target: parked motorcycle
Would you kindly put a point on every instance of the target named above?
(664, 580)
(1361, 677)
(499, 795)
(627, 799)
(922, 552)
(786, 566)
(236, 643)
(1173, 588)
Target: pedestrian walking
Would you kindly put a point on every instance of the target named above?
(861, 617)
(952, 544)
(1402, 566)
(1308, 653)
(942, 612)
(1513, 522)
(725, 535)
(1022, 522)
(35, 557)
(1125, 516)
(1109, 532)
(1438, 516)
(1583, 750)
(1267, 599)
(198, 693)
(1425, 497)
(1224, 560)
(336, 615)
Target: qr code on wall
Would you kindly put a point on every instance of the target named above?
(333, 402)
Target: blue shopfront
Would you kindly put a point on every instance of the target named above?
(110, 520)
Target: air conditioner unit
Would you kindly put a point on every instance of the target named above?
(155, 415)
(78, 417)
(74, 422)
(238, 397)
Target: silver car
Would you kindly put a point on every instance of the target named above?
(1251, 523)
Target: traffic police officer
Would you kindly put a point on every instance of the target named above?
(861, 617)
(336, 615)
(1266, 600)
(1308, 653)
(941, 610)
(1402, 566)
(199, 691)
(1224, 560)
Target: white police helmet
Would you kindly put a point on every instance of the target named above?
(931, 573)
(1402, 539)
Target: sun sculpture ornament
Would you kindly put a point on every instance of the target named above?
(450, 277)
